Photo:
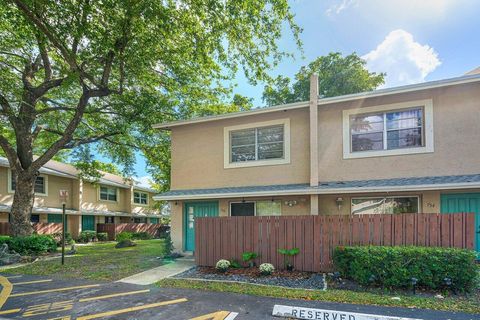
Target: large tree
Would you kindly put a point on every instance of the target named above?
(74, 72)
(337, 75)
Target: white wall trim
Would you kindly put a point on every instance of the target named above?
(428, 130)
(255, 163)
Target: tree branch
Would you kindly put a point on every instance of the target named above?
(44, 54)
(10, 152)
(77, 142)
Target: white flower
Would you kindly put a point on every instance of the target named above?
(266, 268)
(222, 265)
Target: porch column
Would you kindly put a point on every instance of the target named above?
(313, 106)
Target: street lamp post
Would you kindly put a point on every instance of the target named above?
(63, 199)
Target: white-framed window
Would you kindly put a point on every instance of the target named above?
(108, 193)
(403, 128)
(257, 144)
(140, 198)
(385, 205)
(256, 208)
(40, 187)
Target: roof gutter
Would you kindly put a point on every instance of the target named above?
(308, 191)
(325, 101)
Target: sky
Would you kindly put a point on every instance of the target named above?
(411, 40)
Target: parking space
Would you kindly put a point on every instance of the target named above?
(33, 297)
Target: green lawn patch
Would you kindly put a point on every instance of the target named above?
(469, 304)
(100, 261)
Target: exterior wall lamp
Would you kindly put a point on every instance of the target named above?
(291, 203)
(339, 202)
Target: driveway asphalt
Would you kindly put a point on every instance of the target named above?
(34, 297)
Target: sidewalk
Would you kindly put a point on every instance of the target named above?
(167, 270)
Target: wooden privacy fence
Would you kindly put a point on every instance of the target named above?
(112, 229)
(38, 227)
(317, 236)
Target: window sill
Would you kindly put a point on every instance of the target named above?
(387, 153)
(139, 204)
(257, 163)
(108, 201)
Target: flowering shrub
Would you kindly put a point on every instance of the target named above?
(266, 269)
(222, 265)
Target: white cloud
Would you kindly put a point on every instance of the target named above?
(145, 181)
(403, 59)
(340, 6)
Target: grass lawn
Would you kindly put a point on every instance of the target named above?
(100, 261)
(461, 304)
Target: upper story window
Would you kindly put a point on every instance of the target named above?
(387, 130)
(140, 197)
(40, 186)
(108, 193)
(256, 144)
(396, 129)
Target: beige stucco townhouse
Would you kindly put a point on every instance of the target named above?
(110, 200)
(407, 149)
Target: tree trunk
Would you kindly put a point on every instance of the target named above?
(22, 203)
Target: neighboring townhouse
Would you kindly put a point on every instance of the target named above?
(407, 149)
(111, 200)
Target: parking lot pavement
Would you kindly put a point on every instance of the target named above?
(34, 297)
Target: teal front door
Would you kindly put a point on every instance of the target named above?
(463, 202)
(193, 210)
(88, 223)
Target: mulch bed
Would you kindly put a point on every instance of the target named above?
(290, 279)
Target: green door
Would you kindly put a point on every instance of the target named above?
(464, 202)
(57, 218)
(196, 209)
(88, 223)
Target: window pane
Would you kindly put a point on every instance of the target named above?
(404, 119)
(270, 150)
(270, 134)
(35, 218)
(243, 153)
(40, 185)
(109, 219)
(366, 123)
(242, 209)
(242, 137)
(269, 208)
(103, 193)
(404, 138)
(367, 141)
(368, 206)
(401, 205)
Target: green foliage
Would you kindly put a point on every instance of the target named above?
(168, 244)
(141, 236)
(393, 267)
(4, 239)
(118, 67)
(34, 244)
(87, 236)
(234, 264)
(125, 235)
(248, 256)
(58, 238)
(337, 75)
(102, 236)
(289, 254)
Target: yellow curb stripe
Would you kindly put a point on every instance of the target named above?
(54, 290)
(6, 290)
(120, 311)
(31, 282)
(219, 315)
(10, 311)
(113, 295)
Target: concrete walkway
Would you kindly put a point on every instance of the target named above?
(167, 270)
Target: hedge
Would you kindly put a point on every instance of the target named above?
(394, 267)
(34, 244)
(87, 236)
(125, 235)
(141, 236)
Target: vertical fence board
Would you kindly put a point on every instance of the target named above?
(317, 236)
